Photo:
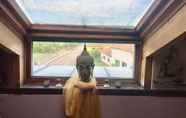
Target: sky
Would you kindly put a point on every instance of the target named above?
(121, 13)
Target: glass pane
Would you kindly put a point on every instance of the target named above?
(59, 59)
(118, 13)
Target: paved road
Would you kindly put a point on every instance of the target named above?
(67, 57)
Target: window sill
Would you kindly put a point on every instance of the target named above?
(124, 91)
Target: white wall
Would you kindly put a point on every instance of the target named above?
(123, 56)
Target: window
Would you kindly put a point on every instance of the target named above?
(58, 59)
(106, 13)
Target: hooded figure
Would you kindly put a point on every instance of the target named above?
(81, 100)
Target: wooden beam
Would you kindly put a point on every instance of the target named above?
(78, 33)
(84, 37)
(13, 6)
(81, 29)
(138, 61)
(14, 20)
(148, 74)
(149, 14)
(158, 15)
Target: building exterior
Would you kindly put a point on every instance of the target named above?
(121, 56)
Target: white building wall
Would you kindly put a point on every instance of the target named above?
(123, 56)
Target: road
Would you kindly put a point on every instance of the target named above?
(66, 57)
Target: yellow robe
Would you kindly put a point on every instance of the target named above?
(79, 104)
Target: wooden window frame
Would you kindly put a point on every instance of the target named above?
(148, 81)
(35, 80)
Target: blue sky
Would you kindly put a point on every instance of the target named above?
(121, 13)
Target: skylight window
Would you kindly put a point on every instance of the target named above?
(105, 13)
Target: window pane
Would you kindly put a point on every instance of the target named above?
(118, 13)
(59, 59)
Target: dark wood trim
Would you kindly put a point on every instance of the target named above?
(147, 15)
(167, 93)
(138, 62)
(148, 74)
(13, 18)
(38, 80)
(83, 38)
(18, 13)
(141, 92)
(100, 91)
(158, 15)
(11, 23)
(28, 53)
(78, 33)
(79, 29)
(25, 70)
